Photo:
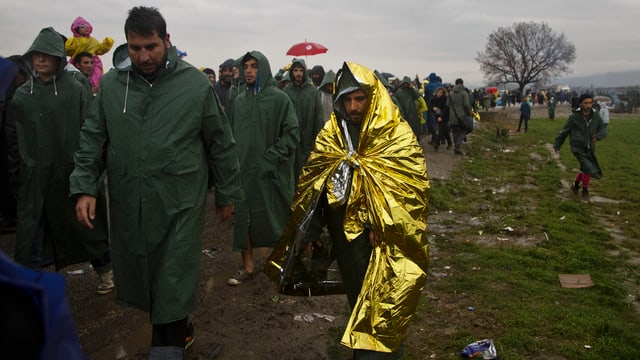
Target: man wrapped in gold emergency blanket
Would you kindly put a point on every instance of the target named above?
(381, 203)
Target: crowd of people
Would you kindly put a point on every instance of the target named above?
(149, 138)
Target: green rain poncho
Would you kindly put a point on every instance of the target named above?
(581, 132)
(158, 140)
(43, 130)
(264, 124)
(308, 103)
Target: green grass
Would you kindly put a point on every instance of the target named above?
(515, 289)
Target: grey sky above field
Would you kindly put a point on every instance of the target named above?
(403, 37)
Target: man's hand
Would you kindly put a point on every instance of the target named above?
(374, 240)
(86, 210)
(225, 212)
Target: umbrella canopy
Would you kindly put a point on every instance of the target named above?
(306, 48)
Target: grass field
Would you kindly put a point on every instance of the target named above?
(509, 225)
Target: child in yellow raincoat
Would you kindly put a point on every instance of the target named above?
(83, 41)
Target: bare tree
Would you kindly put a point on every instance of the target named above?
(525, 53)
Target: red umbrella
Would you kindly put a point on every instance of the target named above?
(306, 48)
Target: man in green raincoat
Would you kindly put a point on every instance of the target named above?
(584, 128)
(43, 130)
(265, 126)
(308, 103)
(406, 95)
(157, 128)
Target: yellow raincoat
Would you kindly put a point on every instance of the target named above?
(389, 190)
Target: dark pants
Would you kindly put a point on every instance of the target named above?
(525, 118)
(42, 249)
(353, 260)
(432, 125)
(459, 133)
(443, 134)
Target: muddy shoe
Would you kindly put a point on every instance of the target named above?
(213, 352)
(241, 276)
(189, 339)
(106, 283)
(585, 194)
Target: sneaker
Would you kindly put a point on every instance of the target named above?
(241, 276)
(585, 194)
(106, 283)
(189, 339)
(458, 151)
(449, 147)
(575, 188)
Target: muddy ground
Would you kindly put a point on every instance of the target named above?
(252, 320)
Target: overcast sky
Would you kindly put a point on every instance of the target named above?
(403, 37)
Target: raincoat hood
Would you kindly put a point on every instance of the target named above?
(49, 42)
(305, 76)
(265, 78)
(80, 21)
(329, 78)
(406, 80)
(122, 61)
(433, 77)
(383, 79)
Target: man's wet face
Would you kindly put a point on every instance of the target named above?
(356, 104)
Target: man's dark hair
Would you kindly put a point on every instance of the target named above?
(144, 21)
(80, 55)
(459, 82)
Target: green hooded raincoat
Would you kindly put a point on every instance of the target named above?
(264, 123)
(157, 140)
(406, 98)
(308, 103)
(581, 132)
(43, 130)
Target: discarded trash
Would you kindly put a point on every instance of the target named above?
(311, 317)
(75, 272)
(210, 252)
(508, 228)
(471, 308)
(563, 217)
(482, 348)
(447, 267)
(587, 346)
(480, 232)
(329, 318)
(275, 298)
(303, 317)
(502, 239)
(575, 281)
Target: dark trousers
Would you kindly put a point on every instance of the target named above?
(353, 260)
